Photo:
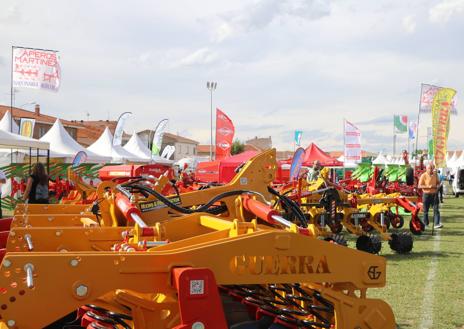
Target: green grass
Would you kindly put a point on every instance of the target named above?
(407, 275)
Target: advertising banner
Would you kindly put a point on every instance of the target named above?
(225, 131)
(35, 68)
(441, 109)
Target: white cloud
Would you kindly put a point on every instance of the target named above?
(10, 14)
(298, 64)
(262, 13)
(409, 24)
(199, 57)
(442, 12)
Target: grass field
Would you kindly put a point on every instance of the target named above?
(426, 288)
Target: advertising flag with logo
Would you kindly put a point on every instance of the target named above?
(400, 122)
(441, 109)
(36, 68)
(430, 142)
(225, 131)
(158, 137)
(428, 92)
(412, 129)
(352, 143)
(297, 139)
(119, 130)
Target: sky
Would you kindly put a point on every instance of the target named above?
(280, 65)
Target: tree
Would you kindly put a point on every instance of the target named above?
(237, 147)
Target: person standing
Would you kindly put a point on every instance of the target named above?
(429, 183)
(2, 181)
(314, 174)
(37, 185)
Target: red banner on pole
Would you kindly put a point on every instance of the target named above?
(224, 135)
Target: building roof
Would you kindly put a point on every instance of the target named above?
(180, 139)
(37, 115)
(203, 148)
(261, 144)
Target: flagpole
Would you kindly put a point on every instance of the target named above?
(394, 136)
(11, 99)
(418, 117)
(344, 147)
(12, 91)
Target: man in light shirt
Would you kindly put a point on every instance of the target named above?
(429, 183)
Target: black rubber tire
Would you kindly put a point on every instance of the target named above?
(401, 243)
(370, 244)
(376, 244)
(363, 243)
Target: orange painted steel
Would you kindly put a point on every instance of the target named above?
(49, 271)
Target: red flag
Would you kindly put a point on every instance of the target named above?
(224, 135)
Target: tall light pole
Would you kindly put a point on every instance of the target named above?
(211, 87)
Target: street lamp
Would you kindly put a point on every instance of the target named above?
(211, 87)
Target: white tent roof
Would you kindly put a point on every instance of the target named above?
(138, 148)
(9, 140)
(459, 161)
(452, 161)
(103, 146)
(341, 158)
(380, 159)
(62, 145)
(5, 123)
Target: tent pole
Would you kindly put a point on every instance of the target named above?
(30, 160)
(48, 162)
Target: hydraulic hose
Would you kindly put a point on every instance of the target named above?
(204, 208)
(292, 206)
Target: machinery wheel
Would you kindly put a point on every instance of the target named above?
(416, 227)
(397, 221)
(401, 243)
(456, 195)
(376, 244)
(370, 244)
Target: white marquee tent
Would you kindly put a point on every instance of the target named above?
(5, 123)
(104, 147)
(452, 161)
(62, 145)
(380, 159)
(138, 148)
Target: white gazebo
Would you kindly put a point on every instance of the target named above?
(62, 145)
(5, 123)
(103, 146)
(452, 161)
(138, 148)
(380, 159)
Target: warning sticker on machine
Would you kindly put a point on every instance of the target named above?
(156, 204)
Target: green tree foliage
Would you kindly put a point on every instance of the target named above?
(237, 147)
